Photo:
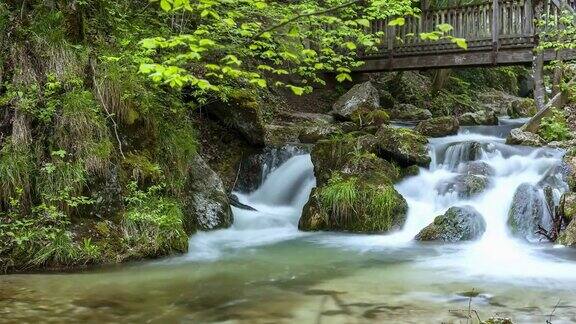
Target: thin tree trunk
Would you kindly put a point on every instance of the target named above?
(440, 78)
(538, 75)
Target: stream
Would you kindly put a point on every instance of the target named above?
(263, 270)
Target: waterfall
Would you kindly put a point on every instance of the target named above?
(278, 204)
(288, 178)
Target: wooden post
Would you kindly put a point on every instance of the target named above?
(495, 29)
(538, 63)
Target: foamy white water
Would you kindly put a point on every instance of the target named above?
(497, 255)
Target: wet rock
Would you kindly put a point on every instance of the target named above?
(479, 168)
(522, 107)
(567, 206)
(362, 97)
(556, 178)
(409, 112)
(281, 134)
(481, 117)
(519, 137)
(461, 152)
(569, 161)
(256, 167)
(206, 204)
(464, 185)
(457, 224)
(402, 145)
(313, 134)
(234, 201)
(243, 112)
(438, 127)
(568, 236)
(528, 212)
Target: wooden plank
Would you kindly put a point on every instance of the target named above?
(522, 56)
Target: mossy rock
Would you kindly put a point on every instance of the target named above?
(568, 236)
(480, 117)
(527, 214)
(363, 204)
(205, 201)
(402, 145)
(568, 206)
(349, 154)
(361, 99)
(446, 103)
(370, 118)
(408, 86)
(282, 134)
(243, 112)
(570, 161)
(438, 127)
(519, 137)
(457, 224)
(465, 185)
(409, 112)
(522, 107)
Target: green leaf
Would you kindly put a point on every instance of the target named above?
(294, 31)
(296, 90)
(165, 5)
(363, 22)
(206, 42)
(351, 46)
(444, 28)
(461, 42)
(343, 77)
(400, 21)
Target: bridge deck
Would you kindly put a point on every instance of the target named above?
(500, 32)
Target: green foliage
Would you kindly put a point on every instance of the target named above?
(256, 42)
(359, 204)
(153, 224)
(501, 78)
(339, 196)
(558, 32)
(554, 127)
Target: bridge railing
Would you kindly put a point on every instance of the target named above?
(490, 25)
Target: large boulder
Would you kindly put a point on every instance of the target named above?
(457, 224)
(206, 203)
(409, 112)
(464, 185)
(402, 145)
(243, 113)
(361, 203)
(481, 117)
(361, 98)
(355, 190)
(438, 127)
(519, 137)
(529, 213)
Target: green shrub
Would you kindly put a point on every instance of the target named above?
(554, 127)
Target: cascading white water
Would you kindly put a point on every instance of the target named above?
(279, 201)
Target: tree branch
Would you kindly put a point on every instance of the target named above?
(316, 13)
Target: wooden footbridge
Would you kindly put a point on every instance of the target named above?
(498, 32)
